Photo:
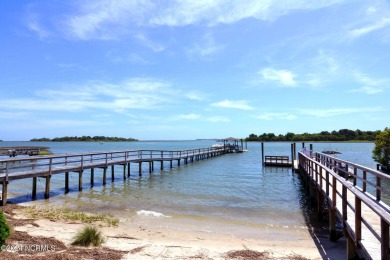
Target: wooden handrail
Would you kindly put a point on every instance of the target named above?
(324, 163)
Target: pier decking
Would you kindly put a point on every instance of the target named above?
(353, 194)
(45, 166)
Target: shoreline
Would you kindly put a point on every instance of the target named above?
(143, 240)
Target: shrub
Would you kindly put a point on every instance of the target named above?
(89, 235)
(381, 152)
(5, 230)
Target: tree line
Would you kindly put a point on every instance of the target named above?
(84, 139)
(335, 136)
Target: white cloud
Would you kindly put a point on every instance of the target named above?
(205, 48)
(332, 112)
(133, 58)
(276, 116)
(34, 24)
(187, 117)
(194, 95)
(102, 19)
(377, 25)
(368, 90)
(134, 93)
(283, 77)
(218, 119)
(370, 85)
(237, 104)
(148, 43)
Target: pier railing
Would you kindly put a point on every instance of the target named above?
(52, 164)
(353, 194)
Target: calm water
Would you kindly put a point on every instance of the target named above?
(233, 188)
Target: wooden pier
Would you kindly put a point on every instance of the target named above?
(45, 166)
(353, 194)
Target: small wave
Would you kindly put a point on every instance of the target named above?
(149, 213)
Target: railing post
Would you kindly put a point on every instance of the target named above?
(6, 171)
(358, 220)
(344, 204)
(378, 188)
(364, 181)
(82, 161)
(385, 239)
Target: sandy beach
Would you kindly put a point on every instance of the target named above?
(143, 240)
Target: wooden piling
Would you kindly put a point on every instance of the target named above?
(47, 186)
(262, 153)
(140, 168)
(124, 171)
(112, 173)
(92, 176)
(66, 182)
(128, 169)
(4, 193)
(80, 180)
(104, 175)
(34, 188)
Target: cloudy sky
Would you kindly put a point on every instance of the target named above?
(192, 69)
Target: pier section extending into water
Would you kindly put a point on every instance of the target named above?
(45, 166)
(353, 194)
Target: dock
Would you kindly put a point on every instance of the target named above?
(44, 167)
(353, 195)
(279, 161)
(21, 150)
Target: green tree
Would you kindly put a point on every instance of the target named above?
(5, 230)
(381, 152)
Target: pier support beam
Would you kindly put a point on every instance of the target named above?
(112, 173)
(4, 193)
(124, 171)
(47, 187)
(140, 168)
(80, 180)
(92, 176)
(162, 165)
(66, 182)
(34, 188)
(128, 170)
(104, 175)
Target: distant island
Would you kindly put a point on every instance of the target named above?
(84, 139)
(343, 135)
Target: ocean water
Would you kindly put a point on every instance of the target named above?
(233, 189)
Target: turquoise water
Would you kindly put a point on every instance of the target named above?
(232, 188)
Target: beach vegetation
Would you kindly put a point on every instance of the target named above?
(342, 135)
(381, 152)
(89, 235)
(65, 213)
(5, 229)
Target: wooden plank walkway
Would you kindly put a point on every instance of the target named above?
(353, 194)
(46, 166)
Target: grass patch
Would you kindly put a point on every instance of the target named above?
(89, 235)
(45, 152)
(65, 213)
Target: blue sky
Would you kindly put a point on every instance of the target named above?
(192, 69)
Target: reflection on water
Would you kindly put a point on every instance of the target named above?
(233, 188)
